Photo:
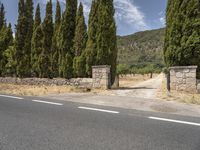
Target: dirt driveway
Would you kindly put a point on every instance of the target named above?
(147, 89)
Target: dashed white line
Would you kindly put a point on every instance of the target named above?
(46, 102)
(100, 110)
(7, 96)
(175, 121)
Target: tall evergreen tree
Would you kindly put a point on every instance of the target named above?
(20, 36)
(55, 46)
(80, 40)
(106, 36)
(27, 46)
(6, 40)
(47, 28)
(37, 20)
(182, 33)
(37, 45)
(91, 46)
(67, 32)
(2, 16)
(10, 64)
(37, 53)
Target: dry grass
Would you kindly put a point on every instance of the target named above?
(28, 90)
(131, 80)
(178, 96)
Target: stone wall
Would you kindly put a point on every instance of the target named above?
(100, 79)
(78, 82)
(198, 86)
(183, 78)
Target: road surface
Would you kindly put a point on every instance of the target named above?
(28, 123)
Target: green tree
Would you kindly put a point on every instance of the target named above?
(2, 16)
(55, 46)
(122, 69)
(37, 50)
(37, 45)
(182, 33)
(79, 66)
(10, 65)
(6, 40)
(67, 32)
(80, 40)
(68, 73)
(47, 28)
(106, 36)
(91, 46)
(22, 54)
(37, 20)
(27, 46)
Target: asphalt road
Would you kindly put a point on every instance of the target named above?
(36, 125)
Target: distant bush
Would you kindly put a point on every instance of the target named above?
(123, 69)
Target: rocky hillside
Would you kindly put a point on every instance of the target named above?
(142, 49)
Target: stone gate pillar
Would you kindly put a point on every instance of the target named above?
(183, 78)
(101, 77)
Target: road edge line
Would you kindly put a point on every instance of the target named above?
(175, 121)
(99, 110)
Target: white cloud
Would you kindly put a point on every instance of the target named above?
(162, 20)
(129, 13)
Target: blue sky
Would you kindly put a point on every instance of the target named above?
(131, 15)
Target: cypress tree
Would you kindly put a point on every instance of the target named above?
(37, 55)
(6, 40)
(37, 20)
(47, 28)
(106, 37)
(67, 32)
(37, 45)
(10, 64)
(27, 46)
(80, 40)
(20, 36)
(55, 46)
(182, 33)
(2, 16)
(91, 46)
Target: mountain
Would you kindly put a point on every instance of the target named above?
(142, 49)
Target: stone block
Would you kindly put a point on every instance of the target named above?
(179, 74)
(198, 87)
(191, 81)
(186, 70)
(172, 73)
(191, 75)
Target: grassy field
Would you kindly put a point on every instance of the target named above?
(28, 90)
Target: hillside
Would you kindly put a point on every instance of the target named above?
(142, 49)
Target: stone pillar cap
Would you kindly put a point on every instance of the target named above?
(102, 66)
(183, 67)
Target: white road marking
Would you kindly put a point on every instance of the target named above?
(175, 121)
(11, 97)
(101, 110)
(46, 102)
